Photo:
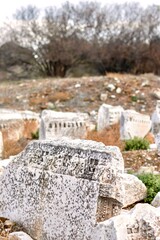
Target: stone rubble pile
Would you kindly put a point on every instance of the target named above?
(75, 189)
(64, 187)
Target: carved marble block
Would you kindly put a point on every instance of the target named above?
(108, 115)
(134, 124)
(140, 223)
(18, 124)
(156, 119)
(1, 145)
(63, 124)
(60, 189)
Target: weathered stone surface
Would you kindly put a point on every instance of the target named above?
(156, 119)
(157, 141)
(141, 223)
(134, 124)
(1, 145)
(57, 189)
(19, 236)
(60, 124)
(135, 190)
(156, 200)
(17, 126)
(10, 114)
(108, 115)
(103, 97)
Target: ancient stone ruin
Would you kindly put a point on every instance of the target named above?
(156, 119)
(108, 115)
(62, 189)
(134, 124)
(1, 145)
(16, 125)
(140, 223)
(60, 124)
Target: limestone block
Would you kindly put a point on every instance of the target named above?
(59, 189)
(141, 223)
(1, 145)
(63, 124)
(156, 119)
(108, 115)
(17, 124)
(134, 124)
(157, 141)
(156, 200)
(10, 114)
(135, 190)
(19, 236)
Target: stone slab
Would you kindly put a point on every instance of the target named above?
(134, 124)
(108, 115)
(63, 124)
(55, 189)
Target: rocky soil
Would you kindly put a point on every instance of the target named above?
(86, 95)
(82, 94)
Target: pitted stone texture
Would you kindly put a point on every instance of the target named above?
(157, 141)
(63, 124)
(53, 187)
(135, 190)
(134, 124)
(108, 115)
(1, 145)
(19, 236)
(156, 201)
(141, 223)
(156, 119)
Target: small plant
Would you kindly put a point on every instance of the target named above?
(35, 135)
(136, 144)
(152, 182)
(134, 98)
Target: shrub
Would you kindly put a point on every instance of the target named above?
(136, 144)
(152, 182)
(35, 135)
(134, 98)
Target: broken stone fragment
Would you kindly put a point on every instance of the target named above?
(19, 236)
(156, 200)
(62, 188)
(135, 190)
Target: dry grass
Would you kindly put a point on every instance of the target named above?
(12, 147)
(59, 96)
(16, 136)
(110, 136)
(150, 138)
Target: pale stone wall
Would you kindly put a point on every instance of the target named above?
(156, 119)
(108, 115)
(134, 124)
(16, 124)
(1, 145)
(60, 124)
(60, 189)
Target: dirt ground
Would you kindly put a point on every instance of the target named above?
(81, 94)
(86, 95)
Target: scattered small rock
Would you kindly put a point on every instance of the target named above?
(103, 97)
